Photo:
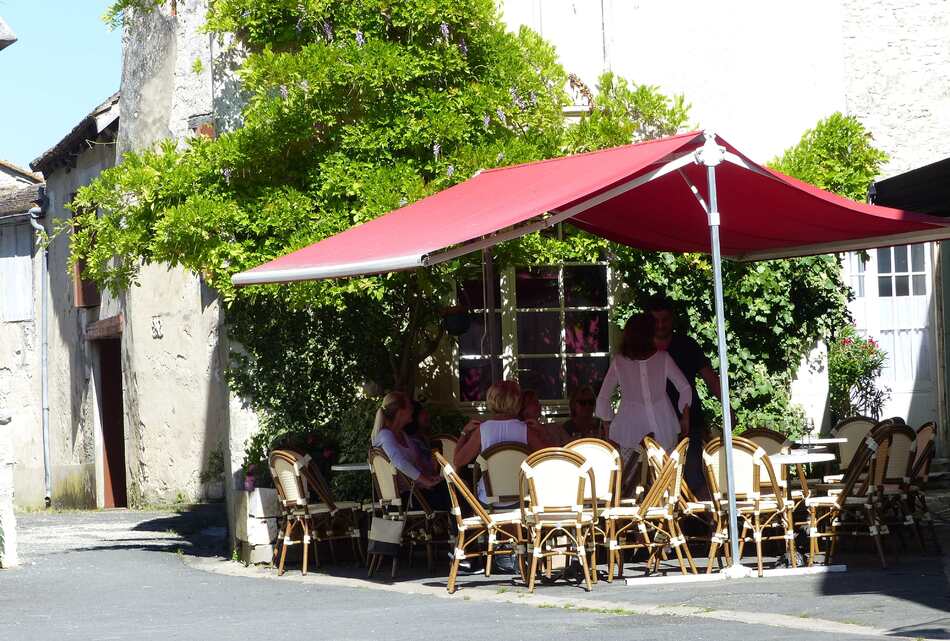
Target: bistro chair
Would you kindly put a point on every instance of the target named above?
(418, 523)
(896, 511)
(653, 523)
(849, 508)
(854, 428)
(297, 512)
(760, 499)
(445, 444)
(505, 527)
(553, 484)
(498, 469)
(604, 460)
(340, 521)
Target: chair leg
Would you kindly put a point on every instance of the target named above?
(456, 560)
(283, 552)
(757, 535)
(490, 552)
(305, 524)
(874, 528)
(392, 573)
(686, 552)
(535, 553)
(582, 555)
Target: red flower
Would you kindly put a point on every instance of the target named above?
(846, 341)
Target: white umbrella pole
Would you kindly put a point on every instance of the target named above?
(711, 155)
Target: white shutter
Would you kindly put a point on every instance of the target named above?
(16, 272)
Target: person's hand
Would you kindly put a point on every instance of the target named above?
(471, 426)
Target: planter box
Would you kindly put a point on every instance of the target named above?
(254, 554)
(262, 502)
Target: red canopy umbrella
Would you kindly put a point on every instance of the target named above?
(645, 195)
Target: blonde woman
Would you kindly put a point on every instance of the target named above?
(389, 434)
(504, 426)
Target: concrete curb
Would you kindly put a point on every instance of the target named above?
(482, 595)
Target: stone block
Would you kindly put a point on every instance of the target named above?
(262, 502)
(254, 554)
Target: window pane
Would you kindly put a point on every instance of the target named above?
(585, 286)
(902, 285)
(588, 370)
(537, 287)
(471, 342)
(857, 284)
(900, 259)
(884, 261)
(539, 332)
(586, 332)
(475, 379)
(917, 258)
(543, 375)
(884, 286)
(471, 293)
(920, 285)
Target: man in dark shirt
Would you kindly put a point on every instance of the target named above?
(689, 357)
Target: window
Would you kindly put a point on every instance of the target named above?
(554, 330)
(475, 354)
(857, 265)
(16, 272)
(901, 271)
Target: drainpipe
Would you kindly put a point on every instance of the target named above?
(36, 213)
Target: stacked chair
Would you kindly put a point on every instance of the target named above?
(298, 481)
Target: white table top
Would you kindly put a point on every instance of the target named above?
(350, 467)
(807, 450)
(802, 457)
(820, 441)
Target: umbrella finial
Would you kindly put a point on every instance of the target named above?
(711, 153)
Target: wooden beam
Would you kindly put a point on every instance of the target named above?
(105, 328)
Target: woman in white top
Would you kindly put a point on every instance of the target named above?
(642, 373)
(504, 403)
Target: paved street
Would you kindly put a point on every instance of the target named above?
(142, 575)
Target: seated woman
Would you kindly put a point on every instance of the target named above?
(583, 423)
(642, 373)
(553, 434)
(504, 403)
(417, 464)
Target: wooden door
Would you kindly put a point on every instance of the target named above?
(113, 428)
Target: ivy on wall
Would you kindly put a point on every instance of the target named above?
(360, 107)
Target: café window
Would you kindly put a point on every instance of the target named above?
(901, 271)
(552, 328)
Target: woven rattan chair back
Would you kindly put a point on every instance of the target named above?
(445, 444)
(604, 460)
(555, 480)
(901, 453)
(285, 468)
(854, 429)
(385, 477)
(772, 442)
(499, 468)
(459, 493)
(753, 471)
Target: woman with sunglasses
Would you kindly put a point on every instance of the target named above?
(583, 423)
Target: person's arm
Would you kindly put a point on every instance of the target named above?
(604, 410)
(675, 375)
(468, 445)
(711, 378)
(399, 459)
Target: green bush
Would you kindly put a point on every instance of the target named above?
(854, 363)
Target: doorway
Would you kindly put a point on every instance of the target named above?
(113, 426)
